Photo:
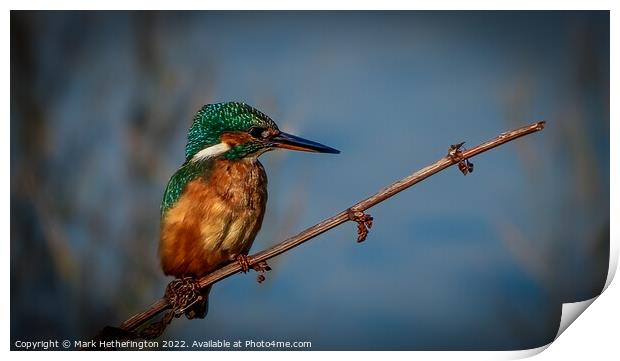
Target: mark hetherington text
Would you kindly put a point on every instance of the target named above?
(117, 344)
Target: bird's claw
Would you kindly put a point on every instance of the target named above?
(183, 293)
(242, 260)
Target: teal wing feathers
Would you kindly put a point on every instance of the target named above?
(178, 181)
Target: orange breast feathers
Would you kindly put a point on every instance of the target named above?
(215, 219)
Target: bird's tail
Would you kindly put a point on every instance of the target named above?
(200, 308)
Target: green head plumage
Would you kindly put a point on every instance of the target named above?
(213, 120)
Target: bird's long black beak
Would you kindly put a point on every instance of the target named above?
(289, 141)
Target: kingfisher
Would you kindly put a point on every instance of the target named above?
(214, 204)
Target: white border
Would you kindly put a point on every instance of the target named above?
(597, 328)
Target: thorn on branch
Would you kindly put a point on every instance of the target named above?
(465, 166)
(261, 267)
(455, 152)
(364, 223)
(246, 263)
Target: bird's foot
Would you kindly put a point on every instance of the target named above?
(182, 294)
(260, 267)
(242, 259)
(364, 223)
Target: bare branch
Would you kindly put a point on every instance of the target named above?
(353, 213)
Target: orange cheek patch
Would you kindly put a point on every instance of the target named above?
(236, 138)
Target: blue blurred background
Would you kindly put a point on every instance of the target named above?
(101, 103)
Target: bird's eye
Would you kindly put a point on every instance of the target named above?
(258, 132)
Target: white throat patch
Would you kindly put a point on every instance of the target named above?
(210, 152)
